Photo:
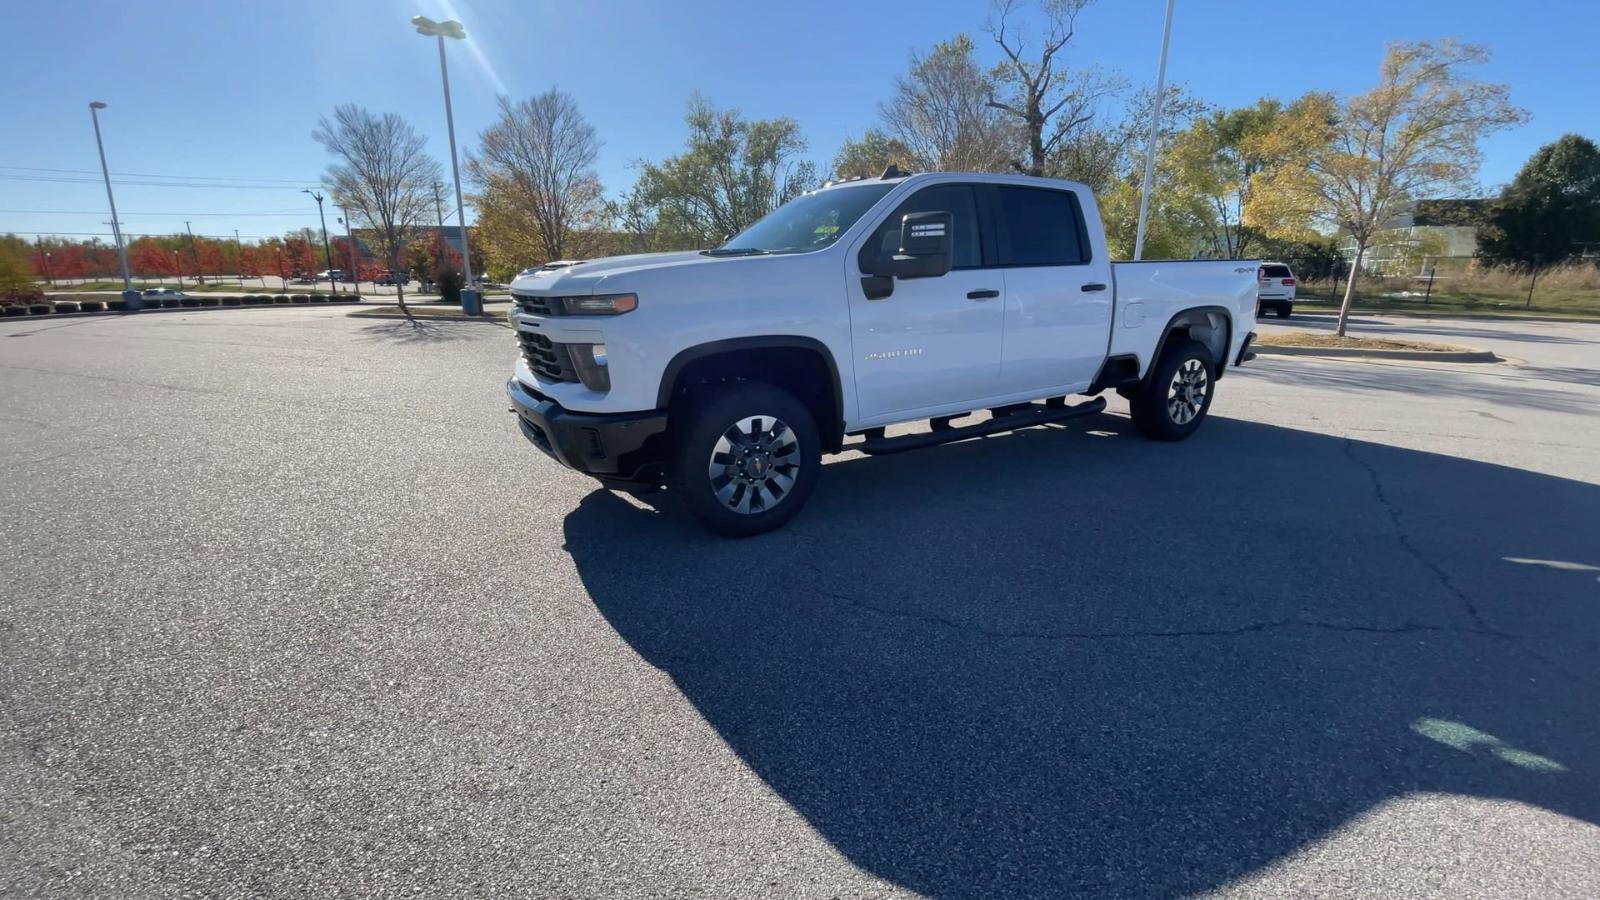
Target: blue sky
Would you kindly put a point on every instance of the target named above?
(229, 91)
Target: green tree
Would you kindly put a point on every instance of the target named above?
(1414, 135)
(872, 154)
(1218, 156)
(733, 172)
(1551, 209)
(16, 275)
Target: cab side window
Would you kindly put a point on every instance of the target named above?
(1040, 227)
(958, 200)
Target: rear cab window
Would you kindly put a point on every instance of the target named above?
(1276, 272)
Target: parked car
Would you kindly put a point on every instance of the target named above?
(1275, 290)
(387, 277)
(305, 279)
(163, 294)
(730, 372)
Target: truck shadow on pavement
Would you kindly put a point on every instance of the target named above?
(1072, 661)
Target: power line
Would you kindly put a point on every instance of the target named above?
(152, 175)
(91, 212)
(107, 234)
(69, 179)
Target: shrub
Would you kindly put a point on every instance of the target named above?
(23, 294)
(91, 306)
(38, 309)
(280, 298)
(13, 309)
(189, 301)
(317, 298)
(66, 306)
(299, 298)
(210, 301)
(232, 301)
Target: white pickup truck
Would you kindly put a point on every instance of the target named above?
(728, 373)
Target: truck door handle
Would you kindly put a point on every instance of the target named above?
(1092, 287)
(982, 295)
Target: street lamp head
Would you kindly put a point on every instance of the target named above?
(96, 104)
(425, 25)
(450, 28)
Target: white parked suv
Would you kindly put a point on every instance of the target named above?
(728, 373)
(1275, 290)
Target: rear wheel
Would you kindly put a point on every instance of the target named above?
(1172, 402)
(748, 458)
(1284, 310)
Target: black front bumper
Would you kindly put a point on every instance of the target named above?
(611, 447)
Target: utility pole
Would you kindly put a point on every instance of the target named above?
(326, 253)
(238, 257)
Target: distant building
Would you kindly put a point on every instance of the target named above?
(1429, 229)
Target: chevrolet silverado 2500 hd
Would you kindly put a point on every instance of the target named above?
(728, 373)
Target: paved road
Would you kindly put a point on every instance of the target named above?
(287, 608)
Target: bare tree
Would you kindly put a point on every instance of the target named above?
(539, 158)
(382, 174)
(1358, 164)
(1050, 102)
(941, 113)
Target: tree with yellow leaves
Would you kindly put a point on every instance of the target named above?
(1358, 163)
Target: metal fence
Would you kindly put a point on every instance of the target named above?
(1452, 281)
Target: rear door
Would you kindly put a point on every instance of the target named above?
(933, 341)
(1058, 291)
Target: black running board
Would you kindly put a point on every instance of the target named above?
(1027, 418)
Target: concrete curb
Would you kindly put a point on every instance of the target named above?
(426, 317)
(176, 309)
(1456, 356)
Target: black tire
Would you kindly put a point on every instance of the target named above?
(714, 415)
(1284, 310)
(1162, 418)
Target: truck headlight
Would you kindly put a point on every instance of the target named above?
(601, 304)
(590, 361)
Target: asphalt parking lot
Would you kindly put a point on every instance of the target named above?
(289, 608)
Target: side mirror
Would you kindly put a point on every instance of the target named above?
(925, 243)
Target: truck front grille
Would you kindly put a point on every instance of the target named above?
(548, 359)
(539, 306)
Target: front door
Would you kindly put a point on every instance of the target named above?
(933, 341)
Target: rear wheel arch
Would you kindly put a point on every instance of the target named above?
(801, 365)
(1210, 325)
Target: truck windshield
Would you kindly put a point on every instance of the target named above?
(808, 222)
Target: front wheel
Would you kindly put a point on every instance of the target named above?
(1173, 400)
(747, 459)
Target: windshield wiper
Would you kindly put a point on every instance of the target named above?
(735, 251)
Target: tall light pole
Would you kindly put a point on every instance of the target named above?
(1155, 131)
(194, 256)
(350, 238)
(471, 304)
(326, 253)
(131, 298)
(238, 257)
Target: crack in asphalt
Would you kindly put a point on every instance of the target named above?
(1404, 538)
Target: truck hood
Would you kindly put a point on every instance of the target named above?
(588, 276)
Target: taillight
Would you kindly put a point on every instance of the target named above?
(1288, 282)
(1261, 274)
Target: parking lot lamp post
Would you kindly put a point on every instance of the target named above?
(350, 238)
(47, 276)
(471, 304)
(177, 269)
(131, 299)
(1155, 133)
